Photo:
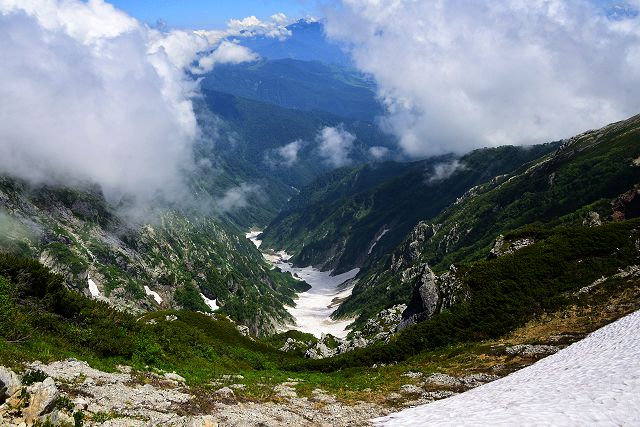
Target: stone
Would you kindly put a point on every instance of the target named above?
(42, 397)
(172, 376)
(531, 350)
(8, 381)
(592, 220)
(244, 330)
(226, 393)
(410, 389)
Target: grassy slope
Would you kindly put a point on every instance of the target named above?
(507, 292)
(560, 188)
(334, 220)
(298, 85)
(519, 298)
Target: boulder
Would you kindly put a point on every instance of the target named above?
(225, 393)
(172, 376)
(42, 398)
(9, 382)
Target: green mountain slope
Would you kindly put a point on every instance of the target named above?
(299, 85)
(177, 254)
(248, 133)
(561, 188)
(350, 218)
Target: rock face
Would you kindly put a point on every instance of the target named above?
(9, 383)
(504, 247)
(164, 402)
(78, 235)
(432, 294)
(42, 397)
(627, 205)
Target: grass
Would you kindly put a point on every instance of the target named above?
(56, 323)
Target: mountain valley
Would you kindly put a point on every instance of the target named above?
(284, 255)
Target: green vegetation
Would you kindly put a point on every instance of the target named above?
(334, 220)
(508, 291)
(299, 85)
(560, 188)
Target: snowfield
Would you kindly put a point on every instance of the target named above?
(595, 381)
(93, 288)
(156, 296)
(313, 309)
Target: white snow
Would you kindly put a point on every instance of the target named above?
(373, 245)
(252, 235)
(155, 295)
(93, 288)
(212, 303)
(313, 309)
(595, 381)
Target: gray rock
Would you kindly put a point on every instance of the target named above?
(42, 397)
(226, 393)
(531, 350)
(9, 381)
(503, 247)
(244, 330)
(592, 220)
(172, 376)
(410, 389)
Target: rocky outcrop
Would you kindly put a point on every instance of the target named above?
(592, 220)
(73, 390)
(9, 383)
(42, 398)
(627, 205)
(432, 294)
(377, 329)
(503, 246)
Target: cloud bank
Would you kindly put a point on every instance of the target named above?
(456, 75)
(91, 95)
(287, 155)
(334, 145)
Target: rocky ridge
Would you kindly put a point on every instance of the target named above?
(138, 267)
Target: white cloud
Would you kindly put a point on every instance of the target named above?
(442, 171)
(226, 53)
(89, 94)
(252, 26)
(464, 74)
(237, 197)
(287, 155)
(334, 145)
(378, 152)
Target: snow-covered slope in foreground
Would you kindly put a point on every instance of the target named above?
(593, 382)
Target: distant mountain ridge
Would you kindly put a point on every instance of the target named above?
(307, 42)
(302, 85)
(350, 218)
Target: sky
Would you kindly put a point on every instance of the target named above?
(452, 75)
(211, 13)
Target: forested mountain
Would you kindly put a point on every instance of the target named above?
(352, 217)
(301, 85)
(588, 179)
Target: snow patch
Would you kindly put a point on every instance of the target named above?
(212, 303)
(314, 307)
(373, 245)
(154, 294)
(253, 236)
(93, 288)
(595, 381)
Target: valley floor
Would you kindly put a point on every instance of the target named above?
(595, 381)
(314, 307)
